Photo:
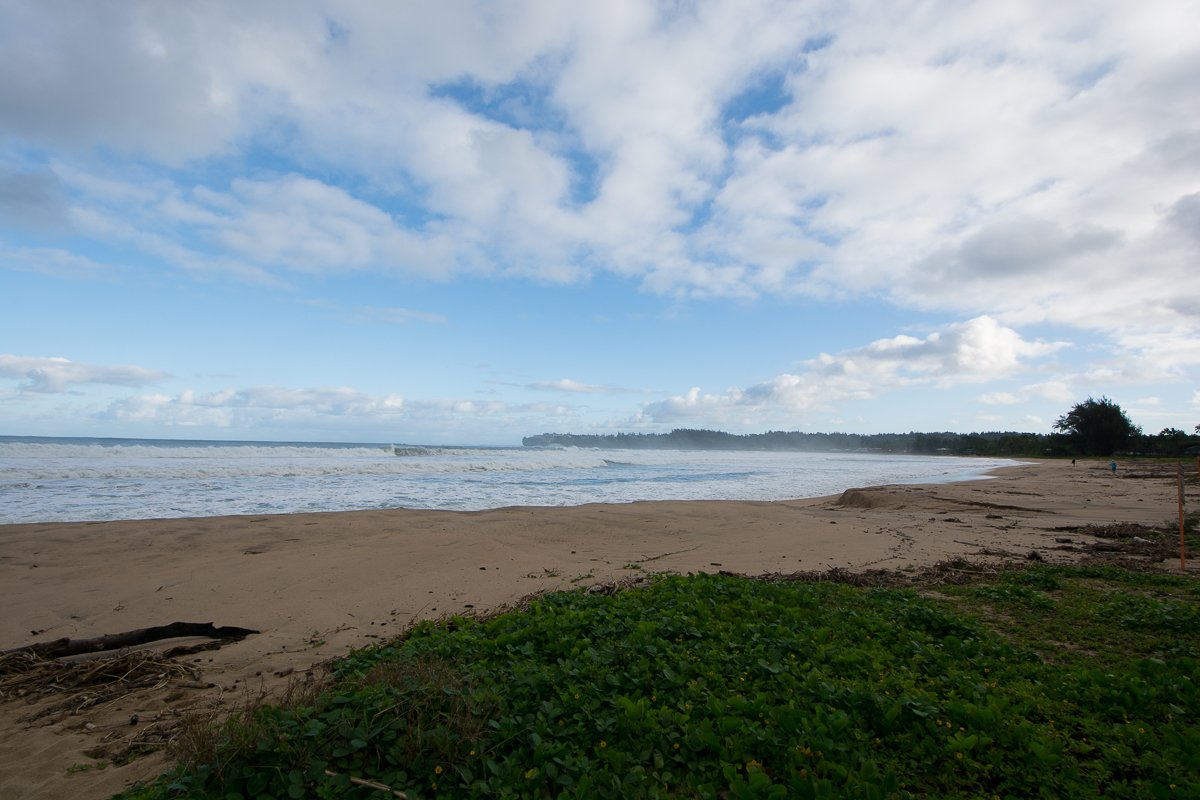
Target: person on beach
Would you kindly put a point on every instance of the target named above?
(1072, 462)
(1113, 466)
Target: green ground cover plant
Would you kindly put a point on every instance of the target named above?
(1045, 682)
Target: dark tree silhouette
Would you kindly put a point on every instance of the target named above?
(1097, 427)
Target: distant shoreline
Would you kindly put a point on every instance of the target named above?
(996, 443)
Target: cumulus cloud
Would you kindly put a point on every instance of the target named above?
(335, 409)
(1184, 214)
(252, 405)
(975, 351)
(1014, 250)
(331, 402)
(56, 375)
(938, 152)
(980, 349)
(341, 401)
(142, 78)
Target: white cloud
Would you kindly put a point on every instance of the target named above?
(975, 351)
(999, 399)
(55, 375)
(138, 78)
(253, 407)
(1056, 390)
(259, 228)
(337, 401)
(398, 316)
(568, 385)
(343, 409)
(934, 152)
(52, 261)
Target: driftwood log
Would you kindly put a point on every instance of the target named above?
(59, 648)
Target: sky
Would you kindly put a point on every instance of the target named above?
(467, 222)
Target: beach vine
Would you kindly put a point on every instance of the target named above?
(1034, 682)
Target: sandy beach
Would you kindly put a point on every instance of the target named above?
(316, 585)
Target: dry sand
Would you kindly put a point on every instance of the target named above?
(316, 585)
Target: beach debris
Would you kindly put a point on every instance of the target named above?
(59, 648)
(376, 785)
(645, 559)
(951, 571)
(89, 684)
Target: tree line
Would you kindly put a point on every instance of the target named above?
(1090, 428)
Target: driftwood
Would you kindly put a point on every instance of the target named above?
(59, 648)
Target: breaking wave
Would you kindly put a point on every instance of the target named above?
(44, 479)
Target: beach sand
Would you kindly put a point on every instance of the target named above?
(316, 585)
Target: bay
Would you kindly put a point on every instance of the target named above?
(47, 479)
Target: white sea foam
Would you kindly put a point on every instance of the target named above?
(61, 480)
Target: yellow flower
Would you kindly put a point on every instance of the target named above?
(603, 743)
(437, 770)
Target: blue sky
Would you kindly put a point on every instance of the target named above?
(467, 222)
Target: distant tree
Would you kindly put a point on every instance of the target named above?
(1097, 427)
(1168, 442)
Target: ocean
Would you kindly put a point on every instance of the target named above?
(46, 479)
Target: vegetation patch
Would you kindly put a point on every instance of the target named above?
(1040, 682)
